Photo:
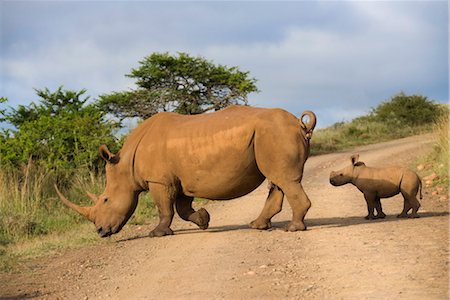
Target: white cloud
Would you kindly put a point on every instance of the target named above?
(336, 58)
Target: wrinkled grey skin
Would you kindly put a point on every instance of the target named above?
(377, 183)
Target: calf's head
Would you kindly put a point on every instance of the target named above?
(347, 174)
(113, 208)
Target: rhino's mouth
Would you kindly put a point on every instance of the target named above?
(104, 232)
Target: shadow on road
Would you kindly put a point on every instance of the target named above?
(358, 220)
(318, 222)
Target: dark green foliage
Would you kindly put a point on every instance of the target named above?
(60, 132)
(403, 110)
(399, 117)
(184, 84)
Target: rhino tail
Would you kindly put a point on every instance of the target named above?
(310, 124)
(420, 188)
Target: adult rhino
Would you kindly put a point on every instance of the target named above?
(218, 156)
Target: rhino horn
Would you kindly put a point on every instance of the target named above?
(85, 211)
(93, 197)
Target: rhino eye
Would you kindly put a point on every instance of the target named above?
(341, 174)
(106, 200)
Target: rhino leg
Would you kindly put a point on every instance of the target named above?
(164, 200)
(380, 213)
(413, 202)
(370, 200)
(406, 208)
(272, 206)
(183, 204)
(300, 204)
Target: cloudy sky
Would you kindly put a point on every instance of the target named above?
(338, 59)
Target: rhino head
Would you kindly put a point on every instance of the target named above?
(113, 208)
(347, 174)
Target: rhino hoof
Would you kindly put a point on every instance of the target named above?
(257, 224)
(158, 232)
(203, 218)
(402, 216)
(296, 226)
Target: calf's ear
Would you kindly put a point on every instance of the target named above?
(354, 158)
(108, 155)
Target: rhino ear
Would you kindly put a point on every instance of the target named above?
(107, 155)
(354, 158)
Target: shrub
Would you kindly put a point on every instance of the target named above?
(402, 110)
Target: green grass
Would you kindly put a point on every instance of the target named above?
(361, 131)
(437, 161)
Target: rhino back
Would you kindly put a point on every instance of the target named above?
(211, 155)
(384, 182)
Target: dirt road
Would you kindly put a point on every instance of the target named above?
(340, 256)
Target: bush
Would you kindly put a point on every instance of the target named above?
(400, 117)
(403, 110)
(61, 133)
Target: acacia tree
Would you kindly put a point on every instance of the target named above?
(182, 83)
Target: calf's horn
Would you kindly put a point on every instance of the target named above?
(85, 211)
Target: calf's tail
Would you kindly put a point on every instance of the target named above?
(420, 188)
(309, 126)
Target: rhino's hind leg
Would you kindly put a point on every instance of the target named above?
(406, 208)
(162, 196)
(272, 206)
(184, 208)
(413, 203)
(300, 204)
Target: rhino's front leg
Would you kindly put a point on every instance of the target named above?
(163, 197)
(380, 213)
(370, 200)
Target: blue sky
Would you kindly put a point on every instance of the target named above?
(338, 59)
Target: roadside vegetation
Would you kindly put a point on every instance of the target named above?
(398, 117)
(434, 167)
(56, 139)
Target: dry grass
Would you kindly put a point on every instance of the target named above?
(34, 222)
(358, 132)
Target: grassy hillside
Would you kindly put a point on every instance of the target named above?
(398, 117)
(360, 131)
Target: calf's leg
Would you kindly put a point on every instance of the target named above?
(413, 202)
(272, 206)
(406, 208)
(409, 188)
(380, 213)
(370, 200)
(183, 205)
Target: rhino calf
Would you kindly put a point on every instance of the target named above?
(376, 183)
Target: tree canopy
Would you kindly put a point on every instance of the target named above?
(180, 83)
(60, 131)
